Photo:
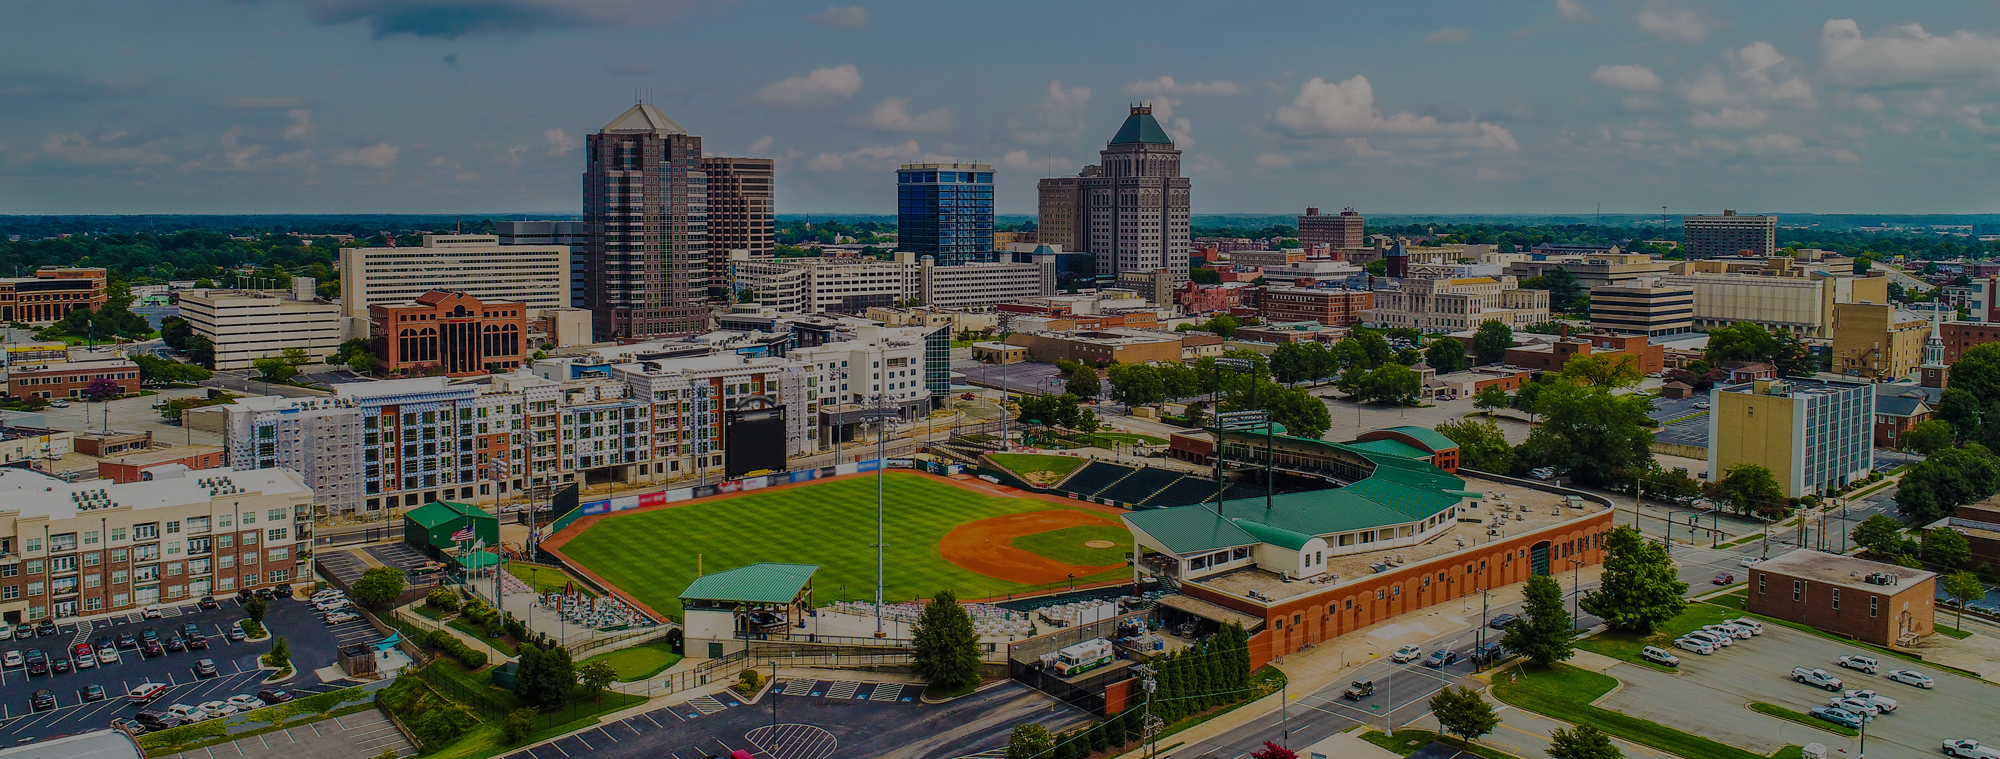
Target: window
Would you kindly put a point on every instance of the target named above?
(250, 518)
(173, 568)
(1760, 583)
(277, 534)
(173, 527)
(274, 515)
(92, 559)
(146, 531)
(35, 567)
(117, 533)
(1798, 589)
(92, 580)
(32, 545)
(1380, 594)
(90, 538)
(226, 582)
(249, 538)
(10, 570)
(63, 542)
(1836, 599)
(249, 558)
(120, 577)
(10, 592)
(281, 575)
(121, 599)
(34, 588)
(225, 541)
(222, 521)
(1874, 605)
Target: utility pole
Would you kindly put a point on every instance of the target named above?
(1149, 684)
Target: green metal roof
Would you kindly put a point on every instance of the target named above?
(1190, 529)
(433, 514)
(1391, 447)
(764, 583)
(1436, 440)
(1279, 537)
(478, 560)
(1141, 127)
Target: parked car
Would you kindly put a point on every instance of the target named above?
(1542, 473)
(12, 659)
(190, 628)
(217, 708)
(130, 726)
(1658, 655)
(107, 656)
(93, 692)
(146, 693)
(151, 648)
(1969, 749)
(197, 642)
(1487, 653)
(1733, 631)
(59, 666)
(1722, 578)
(42, 700)
(204, 668)
(156, 720)
(1816, 677)
(244, 703)
(150, 612)
(1755, 627)
(1838, 716)
(128, 641)
(1500, 622)
(1701, 404)
(1912, 677)
(1714, 639)
(208, 602)
(24, 631)
(45, 628)
(1696, 645)
(1856, 705)
(1441, 658)
(1859, 663)
(341, 617)
(1358, 690)
(1406, 654)
(237, 633)
(148, 634)
(38, 662)
(186, 713)
(1750, 561)
(6, 632)
(175, 645)
(273, 696)
(1883, 703)
(60, 404)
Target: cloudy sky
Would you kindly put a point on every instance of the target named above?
(479, 106)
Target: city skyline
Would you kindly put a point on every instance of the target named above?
(297, 106)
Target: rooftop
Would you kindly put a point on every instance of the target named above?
(38, 495)
(643, 118)
(1844, 571)
(764, 583)
(161, 455)
(440, 512)
(1141, 127)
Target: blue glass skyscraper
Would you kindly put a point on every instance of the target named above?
(945, 210)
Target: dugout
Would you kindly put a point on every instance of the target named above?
(763, 601)
(429, 528)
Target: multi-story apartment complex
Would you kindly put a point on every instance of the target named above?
(820, 285)
(1452, 305)
(535, 276)
(945, 211)
(1337, 231)
(742, 207)
(1642, 308)
(1877, 341)
(646, 198)
(1339, 307)
(1130, 210)
(88, 548)
(1776, 293)
(573, 235)
(1730, 235)
(51, 294)
(1814, 436)
(453, 332)
(246, 325)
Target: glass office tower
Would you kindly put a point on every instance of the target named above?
(946, 210)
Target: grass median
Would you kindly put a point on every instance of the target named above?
(1803, 719)
(1565, 692)
(1408, 741)
(1625, 646)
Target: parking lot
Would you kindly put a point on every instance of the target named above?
(311, 642)
(364, 734)
(1710, 695)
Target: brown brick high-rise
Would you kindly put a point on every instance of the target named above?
(741, 204)
(646, 199)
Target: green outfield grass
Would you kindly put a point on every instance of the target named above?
(1067, 545)
(1023, 463)
(651, 555)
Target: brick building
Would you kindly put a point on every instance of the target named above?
(50, 294)
(1960, 337)
(1551, 356)
(139, 467)
(69, 378)
(1878, 603)
(1334, 307)
(1125, 346)
(453, 331)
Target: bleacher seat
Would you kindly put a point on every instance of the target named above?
(1092, 477)
(1184, 491)
(1140, 485)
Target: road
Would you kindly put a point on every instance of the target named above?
(241, 382)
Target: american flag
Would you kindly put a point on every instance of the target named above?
(462, 535)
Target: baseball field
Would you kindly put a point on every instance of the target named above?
(940, 535)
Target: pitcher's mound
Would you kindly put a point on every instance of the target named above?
(1099, 544)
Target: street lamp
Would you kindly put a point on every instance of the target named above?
(1575, 593)
(878, 415)
(1235, 365)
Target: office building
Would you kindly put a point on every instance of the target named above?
(1451, 305)
(1642, 308)
(1729, 235)
(742, 208)
(646, 198)
(451, 333)
(246, 325)
(1593, 270)
(1813, 436)
(1878, 342)
(68, 379)
(945, 210)
(1130, 210)
(574, 235)
(50, 294)
(1776, 293)
(1868, 601)
(822, 285)
(1338, 307)
(535, 276)
(984, 284)
(1337, 231)
(78, 549)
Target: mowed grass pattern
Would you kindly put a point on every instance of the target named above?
(651, 554)
(1067, 545)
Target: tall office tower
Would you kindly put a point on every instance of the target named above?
(1336, 231)
(574, 235)
(646, 198)
(741, 206)
(1132, 207)
(1729, 235)
(1061, 222)
(945, 210)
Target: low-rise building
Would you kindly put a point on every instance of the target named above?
(1282, 333)
(1464, 384)
(450, 332)
(1869, 601)
(51, 294)
(1642, 307)
(68, 379)
(1553, 352)
(1775, 293)
(1337, 307)
(1899, 407)
(1813, 436)
(481, 266)
(1592, 269)
(39, 447)
(1877, 341)
(1123, 346)
(160, 462)
(1450, 305)
(246, 325)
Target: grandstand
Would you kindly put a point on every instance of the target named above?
(1139, 485)
(1086, 481)
(1182, 492)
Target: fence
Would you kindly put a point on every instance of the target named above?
(493, 706)
(604, 506)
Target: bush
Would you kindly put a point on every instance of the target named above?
(750, 681)
(440, 722)
(448, 643)
(442, 599)
(281, 653)
(519, 724)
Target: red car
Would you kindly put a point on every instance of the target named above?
(1723, 578)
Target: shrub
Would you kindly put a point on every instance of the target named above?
(519, 724)
(442, 599)
(441, 721)
(451, 646)
(750, 681)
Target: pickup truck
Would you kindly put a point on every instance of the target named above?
(1879, 701)
(1816, 677)
(1969, 749)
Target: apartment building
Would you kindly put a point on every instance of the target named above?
(1643, 307)
(1451, 305)
(1337, 307)
(246, 325)
(535, 276)
(68, 379)
(1814, 436)
(89, 548)
(451, 331)
(1877, 341)
(1729, 235)
(1338, 231)
(50, 294)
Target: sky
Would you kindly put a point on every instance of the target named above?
(480, 106)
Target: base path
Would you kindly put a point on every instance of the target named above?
(984, 547)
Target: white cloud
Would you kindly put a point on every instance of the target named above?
(1681, 25)
(1640, 104)
(1748, 117)
(1044, 166)
(108, 147)
(850, 17)
(1571, 10)
(559, 142)
(1709, 89)
(1448, 34)
(825, 162)
(1274, 160)
(1764, 67)
(870, 158)
(453, 169)
(1626, 77)
(301, 127)
(237, 153)
(1165, 93)
(1905, 55)
(762, 144)
(893, 115)
(1773, 143)
(380, 155)
(1347, 109)
(815, 90)
(264, 103)
(1056, 117)
(1060, 98)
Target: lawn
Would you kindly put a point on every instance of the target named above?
(1565, 692)
(639, 662)
(471, 632)
(653, 554)
(1625, 646)
(1409, 741)
(1067, 545)
(545, 579)
(1023, 463)
(1105, 439)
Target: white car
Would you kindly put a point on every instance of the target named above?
(1857, 705)
(1719, 640)
(1407, 654)
(1696, 645)
(150, 612)
(1728, 631)
(1755, 627)
(341, 617)
(60, 404)
(186, 713)
(12, 659)
(244, 703)
(107, 655)
(1659, 655)
(1884, 703)
(334, 605)
(1859, 663)
(6, 632)
(1701, 404)
(328, 593)
(1968, 749)
(218, 708)
(1750, 561)
(1912, 677)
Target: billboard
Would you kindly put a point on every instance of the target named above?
(753, 440)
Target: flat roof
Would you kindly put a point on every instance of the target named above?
(162, 455)
(39, 495)
(1844, 571)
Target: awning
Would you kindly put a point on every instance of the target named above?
(478, 560)
(1212, 611)
(1466, 493)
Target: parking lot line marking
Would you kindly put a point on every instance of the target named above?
(315, 727)
(628, 725)
(649, 715)
(607, 735)
(560, 748)
(586, 744)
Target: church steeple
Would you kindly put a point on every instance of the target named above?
(1934, 372)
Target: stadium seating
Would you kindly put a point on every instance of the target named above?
(1092, 477)
(1140, 485)
(1182, 492)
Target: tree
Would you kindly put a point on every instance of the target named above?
(1881, 535)
(1177, 380)
(518, 725)
(1946, 547)
(1742, 341)
(556, 678)
(1945, 481)
(1611, 370)
(1490, 343)
(155, 369)
(275, 369)
(1640, 590)
(1586, 430)
(1273, 751)
(1446, 355)
(1582, 742)
(1195, 416)
(1977, 371)
(1792, 356)
(281, 652)
(1203, 276)
(1030, 741)
(1290, 363)
(200, 351)
(1544, 633)
(1961, 409)
(1348, 354)
(1490, 398)
(102, 390)
(1481, 444)
(944, 647)
(1461, 712)
(378, 587)
(255, 608)
(1136, 384)
(1562, 286)
(1375, 345)
(363, 363)
(1963, 587)
(1751, 489)
(1083, 383)
(1928, 437)
(596, 676)
(1302, 414)
(1386, 383)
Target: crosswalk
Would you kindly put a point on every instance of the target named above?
(82, 633)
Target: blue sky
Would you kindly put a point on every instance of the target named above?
(479, 106)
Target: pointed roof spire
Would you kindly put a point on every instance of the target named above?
(1141, 128)
(643, 118)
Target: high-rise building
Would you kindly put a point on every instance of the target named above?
(1730, 235)
(1130, 210)
(574, 235)
(1813, 436)
(646, 198)
(246, 325)
(741, 209)
(1338, 231)
(945, 210)
(535, 276)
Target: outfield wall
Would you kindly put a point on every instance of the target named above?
(631, 501)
